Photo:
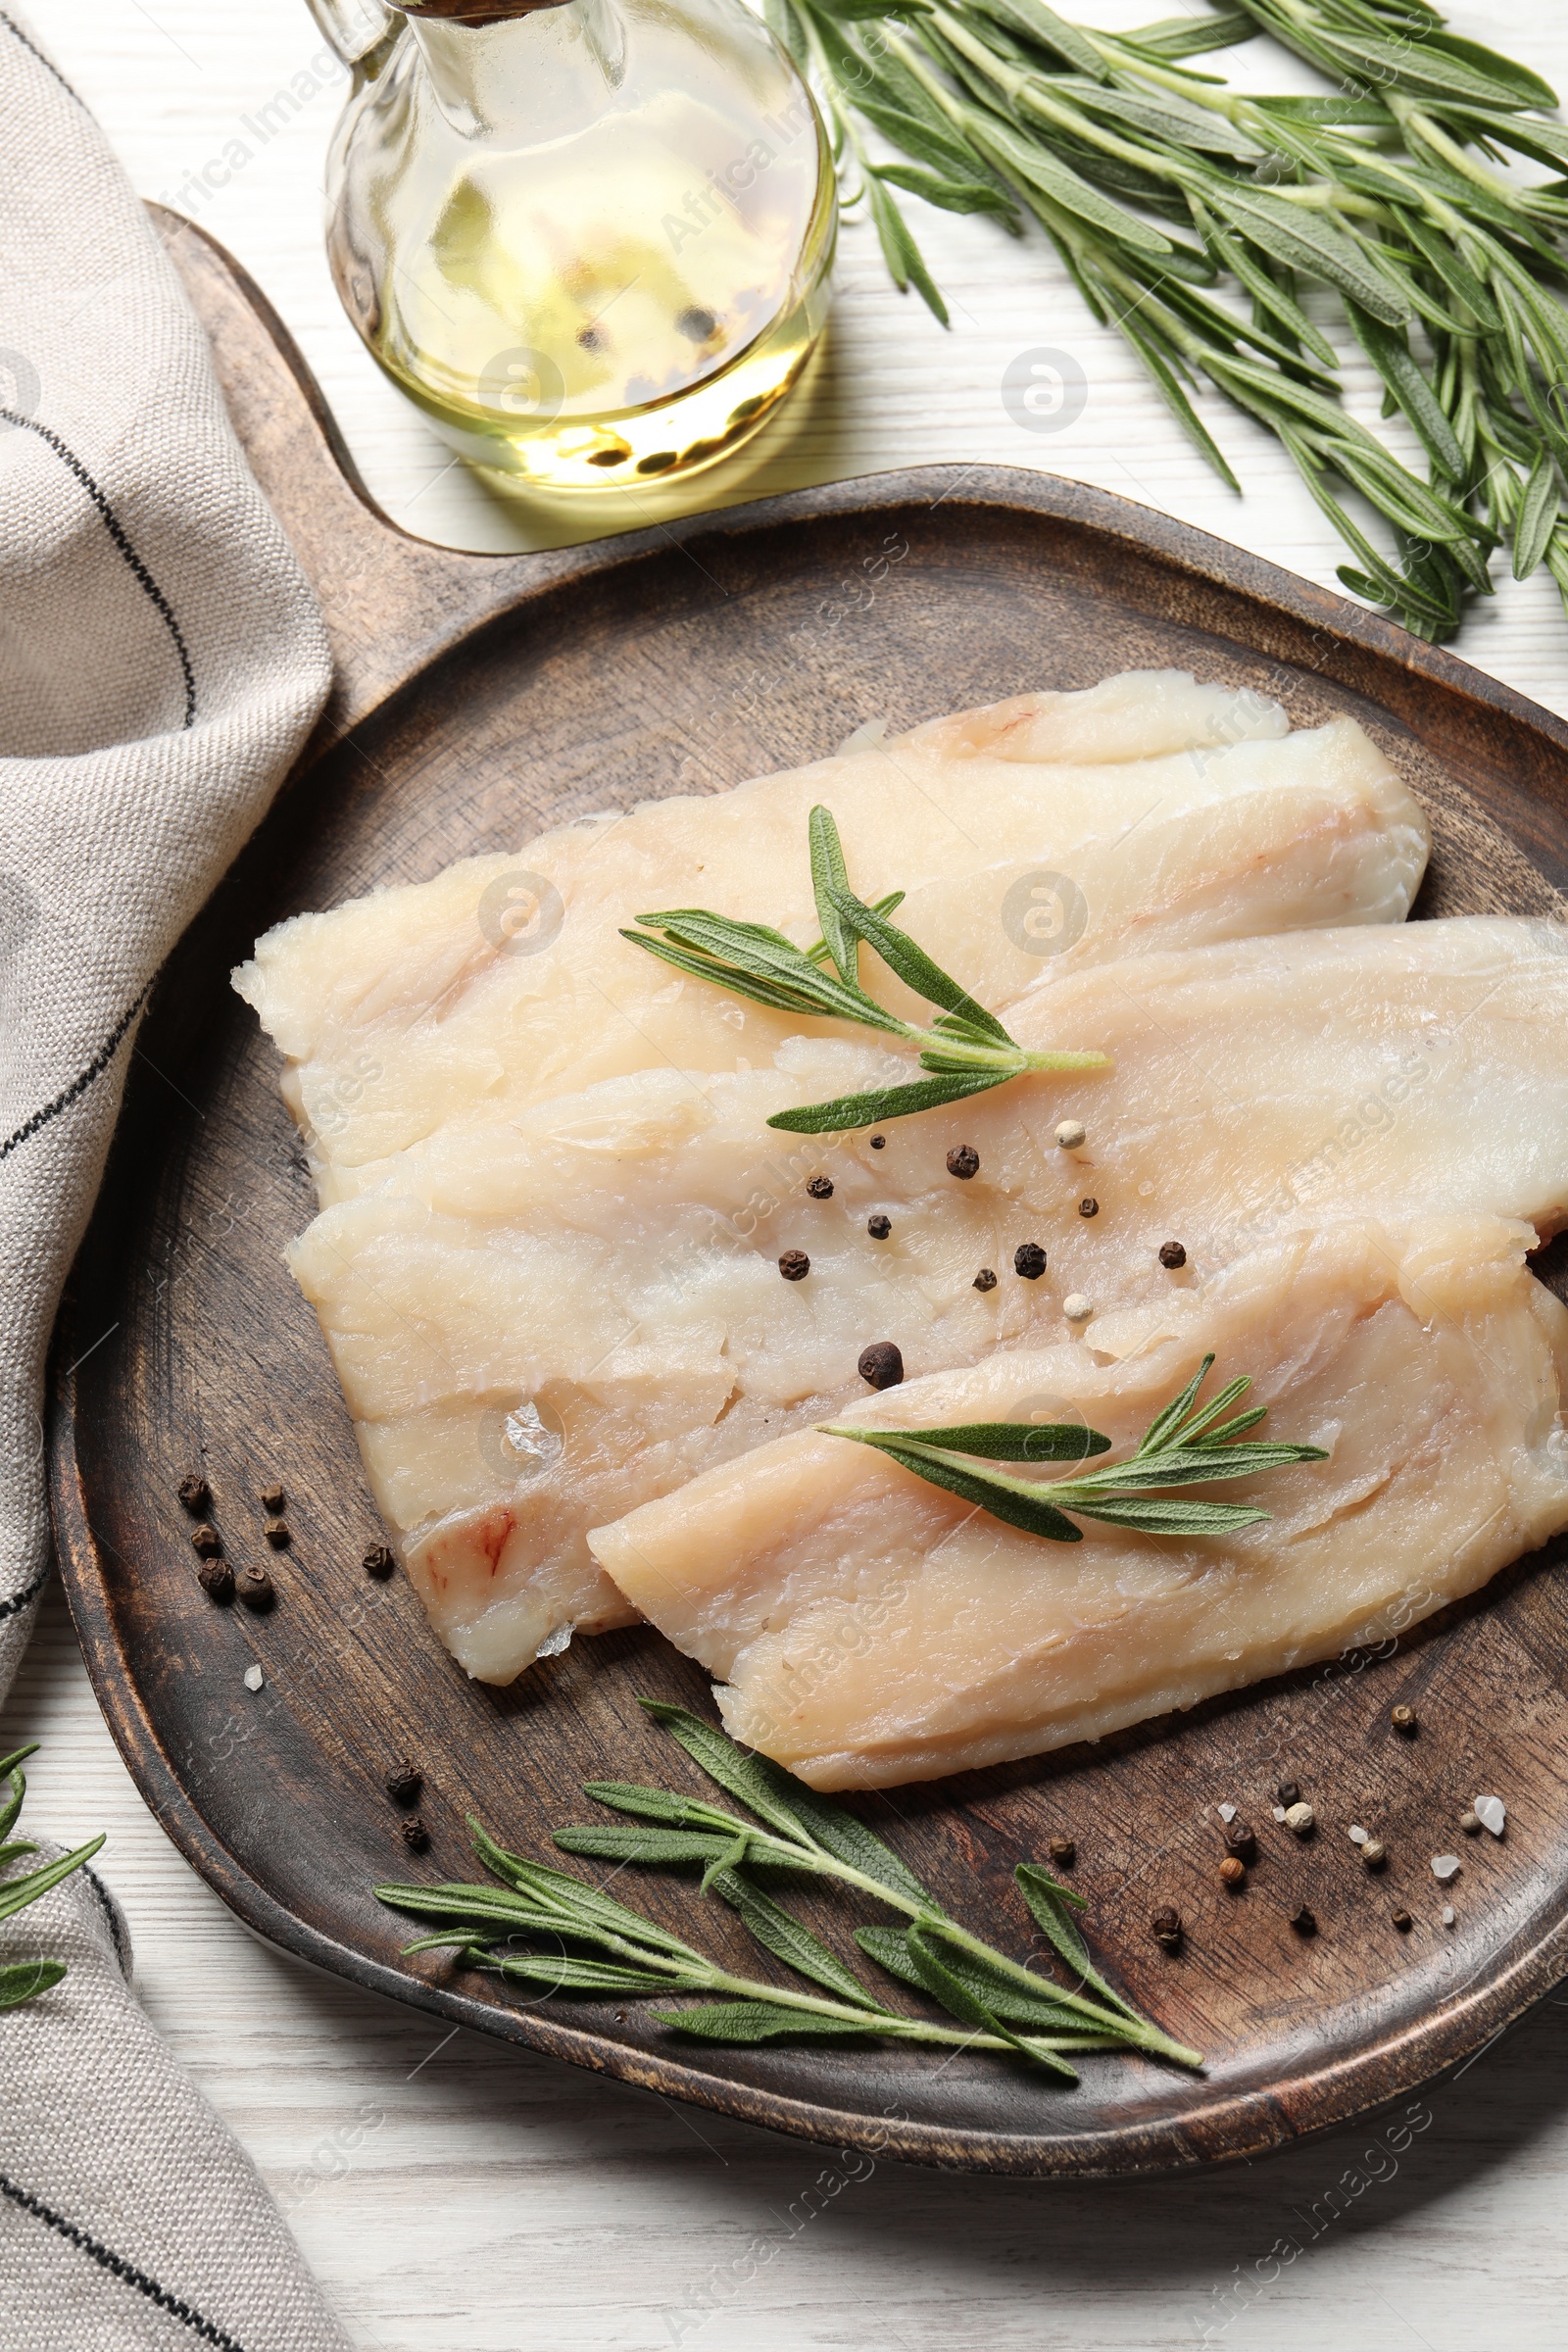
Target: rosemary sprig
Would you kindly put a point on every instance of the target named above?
(1386, 191)
(1184, 1445)
(22, 1979)
(997, 2003)
(965, 1048)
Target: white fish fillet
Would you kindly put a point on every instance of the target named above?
(1178, 813)
(871, 1630)
(608, 1261)
(546, 1262)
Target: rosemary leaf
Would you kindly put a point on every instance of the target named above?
(1041, 25)
(1190, 37)
(756, 2021)
(1539, 510)
(890, 1948)
(906, 262)
(780, 1933)
(1120, 1493)
(1166, 1517)
(1171, 1417)
(16, 1893)
(958, 1994)
(1011, 1499)
(1017, 1441)
(643, 1845)
(567, 1972)
(847, 1111)
(1196, 1466)
(658, 1804)
(1176, 400)
(23, 1979)
(927, 137)
(11, 1807)
(1390, 354)
(910, 963)
(1052, 1905)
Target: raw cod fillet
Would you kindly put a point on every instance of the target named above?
(551, 1208)
(540, 1324)
(870, 1630)
(1178, 813)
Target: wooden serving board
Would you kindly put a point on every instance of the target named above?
(480, 699)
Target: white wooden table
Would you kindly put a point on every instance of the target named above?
(458, 2196)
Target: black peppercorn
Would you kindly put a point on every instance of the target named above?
(378, 1563)
(1240, 1840)
(196, 1495)
(208, 1542)
(879, 1142)
(256, 1589)
(1029, 1260)
(985, 1280)
(1088, 1207)
(217, 1580)
(277, 1535)
(1172, 1255)
(879, 1227)
(1288, 1793)
(413, 1834)
(404, 1783)
(820, 1187)
(1165, 1927)
(963, 1161)
(1303, 1919)
(1063, 1852)
(272, 1498)
(881, 1366)
(794, 1265)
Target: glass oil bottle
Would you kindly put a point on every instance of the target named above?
(591, 240)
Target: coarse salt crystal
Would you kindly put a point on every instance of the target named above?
(1279, 1812)
(1445, 1866)
(1447, 1915)
(254, 1678)
(1490, 1812)
(1227, 1812)
(1357, 1836)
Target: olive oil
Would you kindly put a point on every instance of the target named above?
(605, 269)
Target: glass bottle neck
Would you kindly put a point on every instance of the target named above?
(532, 79)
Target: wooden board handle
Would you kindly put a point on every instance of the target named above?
(390, 602)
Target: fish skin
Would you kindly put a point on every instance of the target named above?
(869, 1630)
(399, 1012)
(456, 1099)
